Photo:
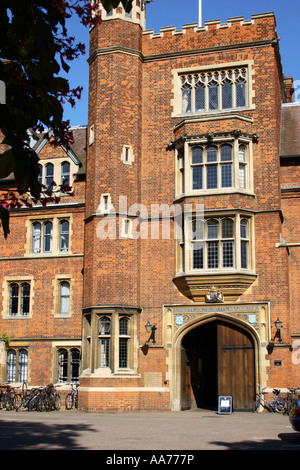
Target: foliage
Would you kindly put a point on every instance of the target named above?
(4, 338)
(34, 48)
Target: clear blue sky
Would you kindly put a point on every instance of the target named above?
(161, 13)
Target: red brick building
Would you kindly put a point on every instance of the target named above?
(189, 222)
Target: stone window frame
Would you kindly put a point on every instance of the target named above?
(127, 155)
(21, 368)
(185, 166)
(57, 165)
(114, 337)
(19, 280)
(56, 220)
(68, 346)
(177, 74)
(57, 282)
(239, 241)
(91, 342)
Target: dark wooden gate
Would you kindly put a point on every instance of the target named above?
(217, 358)
(236, 375)
(185, 381)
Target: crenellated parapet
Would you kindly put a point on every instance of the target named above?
(213, 34)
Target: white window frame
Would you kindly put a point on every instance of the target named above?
(185, 166)
(195, 76)
(200, 239)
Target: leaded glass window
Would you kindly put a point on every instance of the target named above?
(214, 90)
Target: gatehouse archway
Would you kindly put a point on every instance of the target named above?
(217, 358)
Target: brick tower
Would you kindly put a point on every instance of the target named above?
(111, 287)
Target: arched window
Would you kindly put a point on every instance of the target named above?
(25, 298)
(64, 236)
(40, 177)
(49, 175)
(244, 244)
(11, 366)
(48, 237)
(23, 365)
(19, 299)
(36, 237)
(64, 298)
(227, 243)
(197, 167)
(211, 167)
(226, 166)
(123, 342)
(62, 365)
(212, 244)
(13, 299)
(223, 243)
(242, 166)
(65, 174)
(74, 365)
(104, 341)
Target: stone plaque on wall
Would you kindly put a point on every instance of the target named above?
(152, 379)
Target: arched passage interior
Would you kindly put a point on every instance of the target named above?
(218, 358)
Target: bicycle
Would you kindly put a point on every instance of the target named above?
(72, 398)
(276, 405)
(3, 389)
(12, 399)
(32, 401)
(52, 398)
(292, 395)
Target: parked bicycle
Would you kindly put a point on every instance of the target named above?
(2, 395)
(277, 404)
(9, 398)
(52, 398)
(32, 402)
(72, 398)
(41, 399)
(292, 395)
(12, 399)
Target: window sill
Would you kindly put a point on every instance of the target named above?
(231, 284)
(214, 192)
(107, 372)
(17, 317)
(236, 113)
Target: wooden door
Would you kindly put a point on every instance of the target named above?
(236, 366)
(185, 381)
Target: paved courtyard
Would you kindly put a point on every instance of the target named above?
(151, 431)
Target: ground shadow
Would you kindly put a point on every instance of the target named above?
(16, 435)
(288, 441)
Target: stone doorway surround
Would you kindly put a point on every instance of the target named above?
(178, 320)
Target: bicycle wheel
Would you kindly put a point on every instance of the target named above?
(57, 402)
(279, 407)
(17, 401)
(69, 401)
(9, 403)
(24, 390)
(41, 403)
(48, 403)
(256, 406)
